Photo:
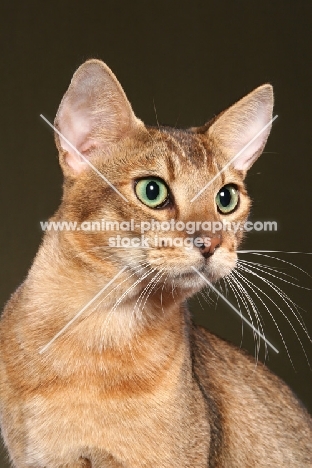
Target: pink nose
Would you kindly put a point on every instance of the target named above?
(208, 250)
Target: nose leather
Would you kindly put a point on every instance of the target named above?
(208, 250)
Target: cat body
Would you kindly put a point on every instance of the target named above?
(132, 382)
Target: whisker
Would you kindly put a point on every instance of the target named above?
(273, 251)
(251, 265)
(243, 292)
(113, 309)
(252, 285)
(154, 284)
(138, 281)
(254, 252)
(197, 297)
(236, 295)
(286, 299)
(161, 294)
(145, 290)
(206, 296)
(267, 267)
(140, 297)
(234, 308)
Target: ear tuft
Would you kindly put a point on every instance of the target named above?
(239, 124)
(94, 113)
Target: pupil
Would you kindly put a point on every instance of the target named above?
(225, 197)
(152, 190)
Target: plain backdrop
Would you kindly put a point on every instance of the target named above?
(189, 60)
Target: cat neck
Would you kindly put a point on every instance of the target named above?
(64, 284)
(134, 350)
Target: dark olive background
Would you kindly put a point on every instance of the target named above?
(192, 59)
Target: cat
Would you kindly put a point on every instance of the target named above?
(132, 382)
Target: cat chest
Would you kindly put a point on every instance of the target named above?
(70, 426)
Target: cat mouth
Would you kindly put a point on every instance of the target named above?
(208, 270)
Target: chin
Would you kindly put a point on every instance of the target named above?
(220, 265)
(189, 282)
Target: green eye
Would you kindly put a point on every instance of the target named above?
(227, 199)
(152, 192)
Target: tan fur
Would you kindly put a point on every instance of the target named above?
(139, 386)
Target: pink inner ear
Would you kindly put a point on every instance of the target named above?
(76, 128)
(243, 129)
(77, 124)
(94, 113)
(246, 131)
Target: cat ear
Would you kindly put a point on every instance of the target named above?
(239, 124)
(94, 113)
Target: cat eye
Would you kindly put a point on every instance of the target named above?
(227, 199)
(152, 192)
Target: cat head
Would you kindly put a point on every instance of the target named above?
(153, 198)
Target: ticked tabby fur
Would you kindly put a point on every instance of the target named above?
(133, 382)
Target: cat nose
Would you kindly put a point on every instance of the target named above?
(207, 249)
